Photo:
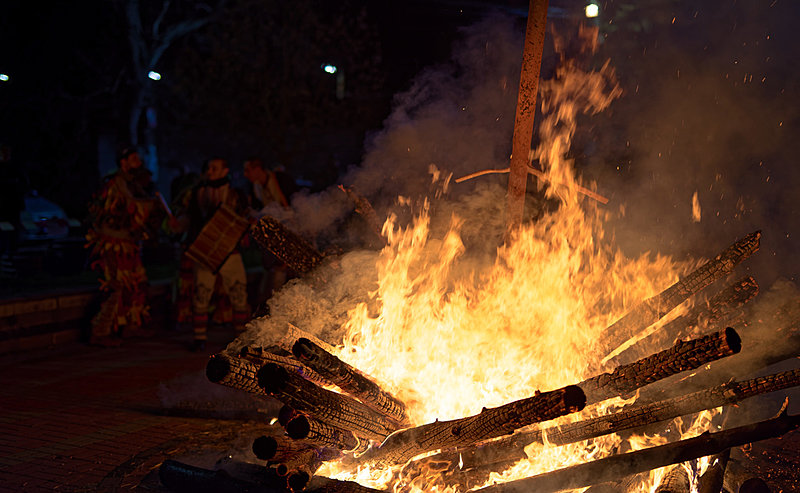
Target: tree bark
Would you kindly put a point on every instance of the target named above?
(618, 466)
(683, 356)
(652, 309)
(349, 379)
(526, 110)
(719, 309)
(330, 407)
(490, 423)
(272, 236)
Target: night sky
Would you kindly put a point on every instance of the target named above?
(709, 105)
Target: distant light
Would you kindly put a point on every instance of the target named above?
(154, 75)
(592, 10)
(331, 69)
(3, 78)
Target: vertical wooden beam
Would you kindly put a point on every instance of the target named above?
(526, 109)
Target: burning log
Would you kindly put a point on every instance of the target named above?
(652, 309)
(683, 356)
(512, 448)
(233, 372)
(286, 414)
(711, 481)
(336, 409)
(349, 379)
(261, 357)
(674, 481)
(490, 423)
(322, 434)
(272, 449)
(617, 466)
(737, 478)
(365, 209)
(717, 310)
(294, 251)
(304, 459)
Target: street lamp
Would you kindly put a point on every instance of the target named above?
(154, 75)
(592, 10)
(4, 78)
(329, 68)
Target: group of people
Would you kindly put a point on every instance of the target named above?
(127, 211)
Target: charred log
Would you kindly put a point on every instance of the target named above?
(273, 449)
(336, 409)
(683, 356)
(321, 484)
(717, 310)
(365, 209)
(261, 357)
(272, 236)
(512, 447)
(652, 309)
(711, 481)
(322, 434)
(617, 466)
(184, 478)
(233, 372)
(676, 480)
(490, 423)
(286, 414)
(349, 379)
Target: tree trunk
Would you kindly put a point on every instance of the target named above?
(526, 110)
(349, 379)
(618, 466)
(652, 309)
(490, 423)
(336, 409)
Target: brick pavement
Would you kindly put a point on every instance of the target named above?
(81, 418)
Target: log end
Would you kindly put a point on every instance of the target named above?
(298, 428)
(217, 368)
(733, 340)
(272, 377)
(265, 447)
(302, 349)
(574, 398)
(298, 480)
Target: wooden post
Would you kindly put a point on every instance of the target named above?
(526, 110)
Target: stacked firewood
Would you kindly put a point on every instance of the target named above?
(334, 412)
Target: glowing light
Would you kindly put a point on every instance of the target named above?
(154, 75)
(592, 10)
(331, 69)
(4, 78)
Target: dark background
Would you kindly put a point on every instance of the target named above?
(710, 103)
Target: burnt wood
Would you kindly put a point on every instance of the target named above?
(322, 434)
(512, 447)
(711, 481)
(674, 481)
(336, 409)
(272, 449)
(618, 466)
(683, 356)
(490, 423)
(349, 379)
(233, 372)
(273, 237)
(260, 357)
(722, 307)
(652, 309)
